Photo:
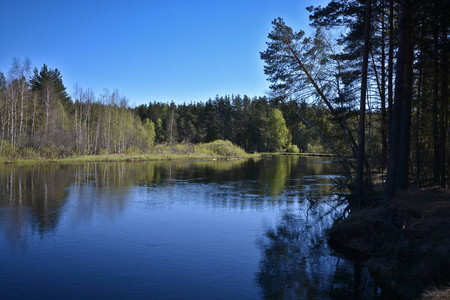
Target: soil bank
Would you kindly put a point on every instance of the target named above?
(404, 243)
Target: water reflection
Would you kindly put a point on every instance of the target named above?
(31, 198)
(38, 193)
(187, 211)
(298, 264)
(23, 185)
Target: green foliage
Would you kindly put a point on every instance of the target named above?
(278, 134)
(177, 149)
(292, 149)
(48, 152)
(28, 152)
(149, 134)
(315, 148)
(220, 148)
(305, 69)
(8, 150)
(132, 150)
(63, 117)
(159, 131)
(51, 76)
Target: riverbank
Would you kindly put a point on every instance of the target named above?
(406, 244)
(144, 157)
(210, 151)
(120, 158)
(215, 150)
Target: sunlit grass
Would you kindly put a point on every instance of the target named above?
(215, 150)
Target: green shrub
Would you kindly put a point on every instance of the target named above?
(28, 152)
(292, 149)
(221, 148)
(177, 149)
(182, 149)
(316, 148)
(161, 149)
(7, 150)
(133, 150)
(47, 152)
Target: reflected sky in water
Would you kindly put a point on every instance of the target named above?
(242, 229)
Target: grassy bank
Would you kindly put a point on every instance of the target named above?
(218, 149)
(405, 243)
(215, 150)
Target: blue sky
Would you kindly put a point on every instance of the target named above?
(164, 51)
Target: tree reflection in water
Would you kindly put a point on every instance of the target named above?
(298, 264)
(31, 198)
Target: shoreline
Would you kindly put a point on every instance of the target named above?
(146, 157)
(121, 158)
(406, 243)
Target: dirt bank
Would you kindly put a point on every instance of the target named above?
(406, 243)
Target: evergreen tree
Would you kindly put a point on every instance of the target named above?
(47, 75)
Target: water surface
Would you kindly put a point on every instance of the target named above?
(243, 229)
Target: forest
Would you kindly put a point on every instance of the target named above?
(39, 118)
(370, 85)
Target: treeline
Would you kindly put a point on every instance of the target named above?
(386, 61)
(255, 124)
(38, 118)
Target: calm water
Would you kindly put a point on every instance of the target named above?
(244, 229)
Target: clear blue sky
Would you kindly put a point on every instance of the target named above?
(168, 50)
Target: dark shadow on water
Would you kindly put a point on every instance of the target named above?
(298, 264)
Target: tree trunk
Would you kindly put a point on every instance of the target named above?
(22, 100)
(349, 136)
(391, 64)
(384, 119)
(418, 115)
(362, 109)
(444, 94)
(401, 114)
(436, 160)
(35, 96)
(405, 129)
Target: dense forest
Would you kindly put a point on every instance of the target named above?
(370, 85)
(38, 117)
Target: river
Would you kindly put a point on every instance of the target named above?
(239, 229)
